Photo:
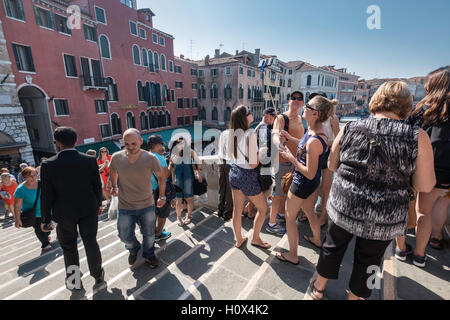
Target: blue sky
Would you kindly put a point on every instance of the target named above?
(414, 38)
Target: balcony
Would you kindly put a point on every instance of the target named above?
(96, 83)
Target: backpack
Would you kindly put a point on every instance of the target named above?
(440, 140)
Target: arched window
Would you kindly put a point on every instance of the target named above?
(158, 94)
(249, 93)
(161, 119)
(112, 90)
(214, 92)
(308, 81)
(165, 94)
(140, 90)
(136, 55)
(144, 58)
(156, 60)
(151, 65)
(168, 121)
(163, 63)
(153, 94)
(214, 115)
(147, 93)
(202, 114)
(202, 93)
(151, 120)
(227, 114)
(144, 121)
(227, 92)
(241, 91)
(131, 123)
(104, 47)
(115, 124)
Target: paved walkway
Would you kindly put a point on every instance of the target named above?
(198, 262)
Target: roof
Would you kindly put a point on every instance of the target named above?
(217, 61)
(147, 10)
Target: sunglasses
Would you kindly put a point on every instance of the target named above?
(103, 151)
(298, 98)
(309, 107)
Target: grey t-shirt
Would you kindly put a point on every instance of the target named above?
(135, 189)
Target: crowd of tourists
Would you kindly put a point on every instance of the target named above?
(371, 180)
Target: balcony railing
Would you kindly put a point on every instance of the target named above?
(94, 82)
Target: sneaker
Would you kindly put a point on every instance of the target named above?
(132, 259)
(153, 262)
(281, 218)
(401, 255)
(277, 229)
(163, 236)
(47, 248)
(419, 261)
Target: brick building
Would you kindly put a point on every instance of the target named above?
(347, 87)
(110, 71)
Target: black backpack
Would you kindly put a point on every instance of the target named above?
(440, 139)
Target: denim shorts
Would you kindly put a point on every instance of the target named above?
(303, 191)
(245, 180)
(185, 180)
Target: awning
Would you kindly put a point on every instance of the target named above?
(167, 134)
(109, 144)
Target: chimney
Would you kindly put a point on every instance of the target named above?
(182, 56)
(217, 53)
(207, 60)
(237, 52)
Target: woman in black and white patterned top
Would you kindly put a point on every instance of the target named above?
(368, 199)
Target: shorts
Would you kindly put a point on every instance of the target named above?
(184, 179)
(284, 167)
(245, 180)
(303, 191)
(325, 160)
(163, 212)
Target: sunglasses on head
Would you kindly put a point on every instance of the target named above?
(309, 107)
(297, 98)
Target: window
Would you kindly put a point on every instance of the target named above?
(214, 72)
(241, 91)
(154, 38)
(194, 103)
(202, 92)
(90, 33)
(249, 93)
(144, 58)
(241, 70)
(194, 72)
(227, 92)
(24, 58)
(214, 92)
(290, 71)
(142, 33)
(187, 120)
(178, 69)
(162, 42)
(289, 83)
(178, 84)
(112, 90)
(163, 62)
(116, 124)
(104, 47)
(249, 73)
(168, 120)
(151, 66)
(180, 103)
(214, 114)
(172, 95)
(44, 18)
(202, 114)
(144, 121)
(136, 56)
(61, 24)
(100, 15)
(187, 103)
(156, 60)
(100, 106)
(105, 130)
(170, 66)
(131, 123)
(14, 9)
(228, 71)
(140, 90)
(128, 3)
(71, 67)
(308, 81)
(180, 121)
(61, 107)
(194, 86)
(133, 28)
(201, 73)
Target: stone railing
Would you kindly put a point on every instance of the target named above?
(210, 170)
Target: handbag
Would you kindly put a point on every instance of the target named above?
(28, 217)
(200, 188)
(171, 191)
(288, 177)
(412, 217)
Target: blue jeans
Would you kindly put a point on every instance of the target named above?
(185, 180)
(126, 223)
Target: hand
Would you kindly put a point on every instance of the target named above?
(114, 192)
(100, 210)
(286, 153)
(18, 223)
(285, 135)
(160, 203)
(199, 178)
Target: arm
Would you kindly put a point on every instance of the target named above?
(424, 179)
(252, 144)
(17, 211)
(276, 131)
(96, 184)
(113, 175)
(335, 125)
(47, 194)
(335, 154)
(313, 150)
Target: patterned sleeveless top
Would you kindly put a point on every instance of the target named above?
(300, 179)
(367, 198)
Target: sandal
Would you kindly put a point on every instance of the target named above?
(437, 244)
(302, 219)
(180, 222)
(308, 239)
(187, 220)
(263, 245)
(312, 288)
(245, 240)
(282, 258)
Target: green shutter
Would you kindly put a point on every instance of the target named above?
(8, 8)
(30, 58)
(51, 20)
(38, 18)
(16, 56)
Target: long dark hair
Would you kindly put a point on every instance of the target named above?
(238, 121)
(437, 98)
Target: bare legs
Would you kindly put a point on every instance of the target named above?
(439, 217)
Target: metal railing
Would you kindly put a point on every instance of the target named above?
(94, 82)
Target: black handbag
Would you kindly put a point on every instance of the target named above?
(28, 217)
(171, 191)
(200, 188)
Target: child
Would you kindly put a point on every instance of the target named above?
(8, 188)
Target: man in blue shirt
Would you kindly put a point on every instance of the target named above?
(155, 143)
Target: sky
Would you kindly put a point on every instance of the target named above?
(414, 38)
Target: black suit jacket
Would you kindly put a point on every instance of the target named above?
(71, 187)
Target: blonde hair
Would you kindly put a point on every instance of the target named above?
(325, 107)
(27, 171)
(392, 96)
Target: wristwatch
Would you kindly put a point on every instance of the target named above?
(162, 198)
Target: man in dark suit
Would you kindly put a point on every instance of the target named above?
(72, 196)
